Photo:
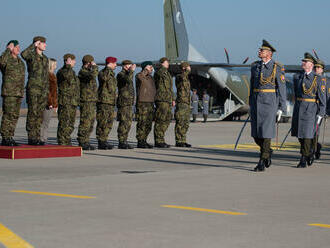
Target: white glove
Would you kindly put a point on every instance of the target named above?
(279, 115)
(318, 119)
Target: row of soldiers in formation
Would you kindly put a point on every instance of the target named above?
(267, 100)
(268, 103)
(94, 102)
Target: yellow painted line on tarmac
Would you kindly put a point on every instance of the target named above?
(320, 225)
(11, 240)
(203, 210)
(288, 146)
(53, 194)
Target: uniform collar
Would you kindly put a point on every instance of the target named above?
(268, 64)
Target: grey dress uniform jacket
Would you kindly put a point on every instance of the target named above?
(267, 96)
(310, 100)
(194, 104)
(206, 100)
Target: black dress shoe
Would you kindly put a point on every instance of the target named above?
(310, 160)
(124, 146)
(162, 145)
(260, 166)
(269, 160)
(302, 162)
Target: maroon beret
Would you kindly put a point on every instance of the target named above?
(110, 60)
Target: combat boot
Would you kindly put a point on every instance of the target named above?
(269, 160)
(13, 142)
(33, 142)
(302, 162)
(260, 166)
(124, 145)
(5, 142)
(142, 144)
(103, 145)
(162, 145)
(179, 144)
(318, 151)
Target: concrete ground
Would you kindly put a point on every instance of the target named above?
(206, 196)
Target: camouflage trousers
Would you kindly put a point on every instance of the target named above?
(125, 118)
(144, 116)
(11, 106)
(264, 144)
(162, 120)
(182, 119)
(66, 120)
(105, 115)
(87, 119)
(36, 107)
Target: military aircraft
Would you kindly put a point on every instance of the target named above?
(227, 83)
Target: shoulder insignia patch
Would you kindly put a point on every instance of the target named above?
(283, 78)
(323, 88)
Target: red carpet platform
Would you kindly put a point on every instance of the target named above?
(47, 151)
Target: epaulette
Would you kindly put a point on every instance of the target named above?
(280, 65)
(255, 63)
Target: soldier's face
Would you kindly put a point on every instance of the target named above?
(112, 66)
(16, 50)
(71, 62)
(127, 67)
(319, 70)
(166, 64)
(263, 53)
(149, 69)
(307, 65)
(42, 46)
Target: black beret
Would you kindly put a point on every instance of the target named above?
(39, 38)
(162, 60)
(87, 59)
(126, 62)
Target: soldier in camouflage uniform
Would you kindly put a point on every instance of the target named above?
(267, 101)
(145, 98)
(182, 111)
(88, 97)
(105, 113)
(164, 102)
(68, 99)
(13, 76)
(125, 102)
(37, 87)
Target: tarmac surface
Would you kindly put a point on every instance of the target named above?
(204, 196)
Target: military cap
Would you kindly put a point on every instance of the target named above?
(87, 59)
(15, 42)
(266, 46)
(126, 62)
(110, 60)
(319, 63)
(145, 63)
(39, 38)
(68, 55)
(184, 65)
(162, 60)
(309, 57)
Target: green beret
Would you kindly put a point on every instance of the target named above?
(39, 38)
(162, 60)
(184, 65)
(126, 62)
(309, 57)
(15, 42)
(68, 55)
(319, 63)
(145, 63)
(267, 46)
(87, 59)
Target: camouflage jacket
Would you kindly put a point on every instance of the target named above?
(107, 86)
(125, 88)
(68, 86)
(13, 75)
(88, 85)
(164, 86)
(182, 84)
(38, 71)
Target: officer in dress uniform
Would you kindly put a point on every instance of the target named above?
(309, 108)
(206, 99)
(267, 101)
(194, 105)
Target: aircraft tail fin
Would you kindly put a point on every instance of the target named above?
(176, 37)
